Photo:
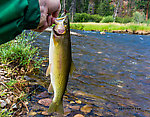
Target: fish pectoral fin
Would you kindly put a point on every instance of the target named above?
(50, 88)
(55, 42)
(72, 68)
(48, 70)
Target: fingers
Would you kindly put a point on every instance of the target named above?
(49, 12)
(56, 13)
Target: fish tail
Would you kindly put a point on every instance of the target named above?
(56, 108)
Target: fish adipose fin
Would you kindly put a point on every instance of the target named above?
(48, 70)
(50, 88)
(56, 108)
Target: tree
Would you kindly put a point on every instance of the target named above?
(147, 10)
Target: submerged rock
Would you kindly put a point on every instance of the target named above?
(45, 102)
(86, 108)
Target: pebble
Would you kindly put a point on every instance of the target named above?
(45, 102)
(32, 113)
(8, 101)
(75, 107)
(45, 113)
(78, 101)
(67, 111)
(43, 95)
(86, 108)
(2, 103)
(72, 102)
(79, 115)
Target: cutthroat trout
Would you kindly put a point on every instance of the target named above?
(60, 62)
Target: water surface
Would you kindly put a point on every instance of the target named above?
(112, 71)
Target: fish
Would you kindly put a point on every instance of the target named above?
(60, 62)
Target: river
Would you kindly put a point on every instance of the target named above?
(112, 72)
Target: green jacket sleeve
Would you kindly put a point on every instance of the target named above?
(17, 15)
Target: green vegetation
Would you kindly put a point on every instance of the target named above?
(20, 55)
(109, 27)
(84, 17)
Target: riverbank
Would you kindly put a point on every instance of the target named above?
(131, 28)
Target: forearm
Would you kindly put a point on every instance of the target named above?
(17, 15)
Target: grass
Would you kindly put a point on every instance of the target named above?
(109, 27)
(20, 54)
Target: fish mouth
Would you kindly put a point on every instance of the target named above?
(59, 32)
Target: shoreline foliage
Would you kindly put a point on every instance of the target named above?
(19, 55)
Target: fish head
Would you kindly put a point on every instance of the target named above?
(61, 26)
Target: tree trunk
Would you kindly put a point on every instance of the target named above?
(91, 7)
(116, 10)
(72, 9)
(147, 10)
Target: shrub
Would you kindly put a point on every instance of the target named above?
(138, 17)
(96, 18)
(20, 53)
(107, 19)
(84, 17)
(123, 20)
(81, 17)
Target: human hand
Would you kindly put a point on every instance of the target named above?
(49, 11)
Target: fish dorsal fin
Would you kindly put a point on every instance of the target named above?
(48, 70)
(72, 68)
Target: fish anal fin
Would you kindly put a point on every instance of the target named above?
(50, 88)
(48, 70)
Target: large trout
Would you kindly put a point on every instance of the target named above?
(60, 62)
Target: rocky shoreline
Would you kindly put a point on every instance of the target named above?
(132, 32)
(20, 98)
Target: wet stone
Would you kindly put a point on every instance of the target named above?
(43, 95)
(45, 113)
(8, 101)
(79, 115)
(32, 113)
(75, 107)
(2, 103)
(67, 111)
(78, 101)
(86, 108)
(45, 102)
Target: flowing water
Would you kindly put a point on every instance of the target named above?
(112, 72)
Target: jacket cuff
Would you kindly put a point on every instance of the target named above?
(32, 15)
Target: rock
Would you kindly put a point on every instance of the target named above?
(2, 103)
(102, 33)
(79, 115)
(43, 95)
(32, 113)
(45, 102)
(78, 101)
(14, 106)
(75, 107)
(86, 108)
(72, 102)
(8, 101)
(44, 113)
(67, 111)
